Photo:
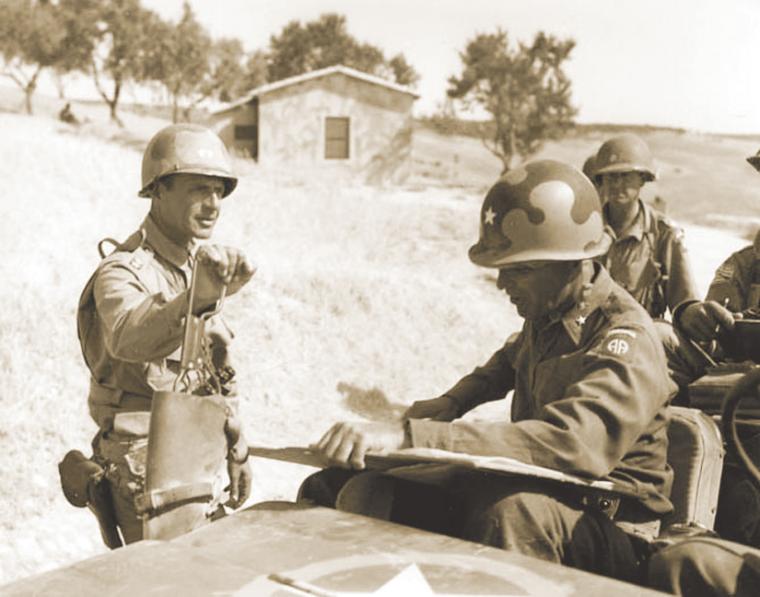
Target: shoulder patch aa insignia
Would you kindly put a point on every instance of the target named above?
(618, 341)
(617, 346)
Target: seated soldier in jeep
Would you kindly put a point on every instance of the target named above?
(590, 390)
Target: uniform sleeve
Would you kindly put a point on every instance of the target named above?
(681, 285)
(488, 382)
(616, 395)
(728, 284)
(137, 326)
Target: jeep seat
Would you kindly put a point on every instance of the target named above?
(695, 453)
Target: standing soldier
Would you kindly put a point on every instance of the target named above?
(647, 257)
(132, 311)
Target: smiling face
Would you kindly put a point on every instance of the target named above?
(187, 206)
(538, 287)
(621, 188)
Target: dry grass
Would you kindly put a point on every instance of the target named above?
(364, 301)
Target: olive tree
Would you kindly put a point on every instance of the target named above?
(524, 89)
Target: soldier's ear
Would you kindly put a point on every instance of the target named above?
(159, 188)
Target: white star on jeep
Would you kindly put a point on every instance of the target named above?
(489, 215)
(410, 581)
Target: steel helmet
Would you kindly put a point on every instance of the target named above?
(544, 210)
(186, 149)
(589, 167)
(755, 160)
(626, 153)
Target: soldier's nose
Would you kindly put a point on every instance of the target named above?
(502, 279)
(213, 200)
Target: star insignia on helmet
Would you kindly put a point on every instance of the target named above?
(613, 157)
(489, 215)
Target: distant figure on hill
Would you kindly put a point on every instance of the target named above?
(66, 115)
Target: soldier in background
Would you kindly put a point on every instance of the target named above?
(647, 257)
(131, 313)
(66, 115)
(589, 169)
(586, 361)
(728, 566)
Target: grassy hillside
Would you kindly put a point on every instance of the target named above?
(704, 179)
(363, 302)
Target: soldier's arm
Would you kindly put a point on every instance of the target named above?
(137, 325)
(589, 430)
(488, 382)
(681, 285)
(728, 286)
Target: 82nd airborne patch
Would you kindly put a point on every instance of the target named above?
(618, 341)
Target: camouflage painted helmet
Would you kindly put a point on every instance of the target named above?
(755, 160)
(626, 153)
(544, 210)
(186, 149)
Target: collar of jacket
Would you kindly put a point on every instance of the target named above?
(574, 318)
(177, 255)
(637, 228)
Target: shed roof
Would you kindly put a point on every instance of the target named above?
(315, 74)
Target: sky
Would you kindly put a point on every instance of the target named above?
(683, 63)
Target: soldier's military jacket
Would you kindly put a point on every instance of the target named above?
(130, 322)
(650, 261)
(590, 391)
(738, 280)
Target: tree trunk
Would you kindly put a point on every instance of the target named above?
(113, 103)
(60, 85)
(29, 90)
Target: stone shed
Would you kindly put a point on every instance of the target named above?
(336, 121)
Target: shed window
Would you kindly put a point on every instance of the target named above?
(245, 132)
(336, 138)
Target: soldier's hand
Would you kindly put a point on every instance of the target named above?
(443, 408)
(218, 266)
(240, 483)
(706, 321)
(346, 444)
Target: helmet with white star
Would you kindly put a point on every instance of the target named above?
(544, 210)
(626, 153)
(186, 149)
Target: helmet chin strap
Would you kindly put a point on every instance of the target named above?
(156, 213)
(578, 285)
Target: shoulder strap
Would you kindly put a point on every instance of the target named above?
(657, 258)
(90, 338)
